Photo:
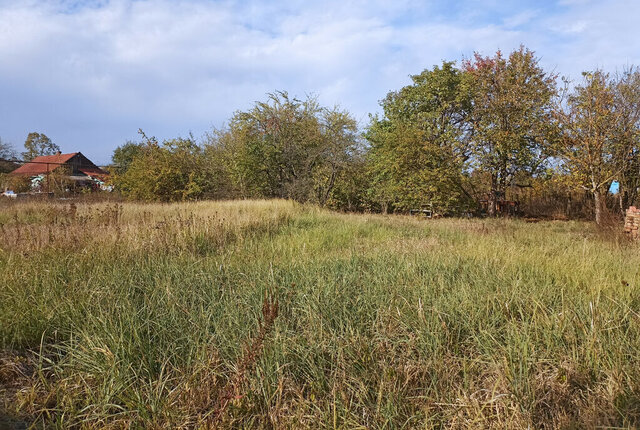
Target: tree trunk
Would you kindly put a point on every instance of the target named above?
(491, 207)
(493, 197)
(598, 200)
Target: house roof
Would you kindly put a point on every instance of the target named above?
(48, 163)
(43, 164)
(95, 172)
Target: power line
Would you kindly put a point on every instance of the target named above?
(15, 160)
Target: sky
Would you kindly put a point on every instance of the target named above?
(89, 74)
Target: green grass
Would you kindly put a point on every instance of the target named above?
(150, 316)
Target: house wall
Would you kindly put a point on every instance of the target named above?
(77, 162)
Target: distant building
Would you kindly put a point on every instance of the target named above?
(75, 167)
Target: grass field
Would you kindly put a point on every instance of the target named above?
(270, 314)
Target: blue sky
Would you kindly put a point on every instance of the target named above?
(90, 73)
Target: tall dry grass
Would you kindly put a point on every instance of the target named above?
(164, 316)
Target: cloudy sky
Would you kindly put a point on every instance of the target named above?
(90, 73)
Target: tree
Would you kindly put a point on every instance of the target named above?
(351, 184)
(337, 151)
(6, 150)
(270, 143)
(418, 152)
(286, 148)
(38, 144)
(171, 171)
(7, 153)
(219, 165)
(510, 117)
(626, 88)
(124, 155)
(599, 137)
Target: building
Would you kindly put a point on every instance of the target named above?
(76, 169)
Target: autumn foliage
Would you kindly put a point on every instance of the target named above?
(462, 140)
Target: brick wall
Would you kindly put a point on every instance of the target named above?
(632, 222)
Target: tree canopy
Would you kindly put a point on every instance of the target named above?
(170, 171)
(599, 140)
(459, 139)
(418, 147)
(512, 107)
(38, 144)
(7, 152)
(124, 155)
(287, 148)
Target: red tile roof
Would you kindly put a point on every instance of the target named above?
(39, 165)
(95, 172)
(48, 163)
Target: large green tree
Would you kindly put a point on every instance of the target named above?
(38, 144)
(511, 117)
(418, 149)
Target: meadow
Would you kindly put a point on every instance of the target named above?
(272, 314)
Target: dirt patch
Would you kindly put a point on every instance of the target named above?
(16, 373)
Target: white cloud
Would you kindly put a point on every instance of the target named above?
(519, 19)
(90, 75)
